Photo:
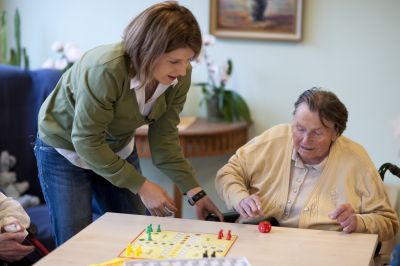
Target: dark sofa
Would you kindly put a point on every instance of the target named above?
(21, 95)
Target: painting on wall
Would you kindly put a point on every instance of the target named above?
(257, 19)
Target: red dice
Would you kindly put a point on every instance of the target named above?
(264, 227)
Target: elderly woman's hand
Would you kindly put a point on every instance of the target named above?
(250, 207)
(11, 248)
(346, 216)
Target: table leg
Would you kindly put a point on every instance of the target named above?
(178, 201)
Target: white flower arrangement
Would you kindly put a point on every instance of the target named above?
(67, 55)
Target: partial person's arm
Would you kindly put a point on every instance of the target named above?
(11, 211)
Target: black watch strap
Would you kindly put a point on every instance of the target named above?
(196, 197)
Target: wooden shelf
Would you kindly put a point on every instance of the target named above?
(199, 138)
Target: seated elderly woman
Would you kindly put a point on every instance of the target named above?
(308, 175)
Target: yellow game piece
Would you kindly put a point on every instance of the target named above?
(128, 250)
(113, 262)
(138, 251)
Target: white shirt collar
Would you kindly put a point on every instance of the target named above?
(135, 83)
(299, 163)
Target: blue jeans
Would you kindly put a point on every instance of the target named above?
(71, 192)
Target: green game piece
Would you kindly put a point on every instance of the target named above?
(149, 237)
(151, 227)
(158, 228)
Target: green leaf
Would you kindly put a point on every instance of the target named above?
(13, 58)
(17, 35)
(26, 58)
(201, 84)
(3, 38)
(230, 67)
(242, 108)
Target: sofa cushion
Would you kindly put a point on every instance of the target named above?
(21, 94)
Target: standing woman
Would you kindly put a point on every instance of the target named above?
(85, 149)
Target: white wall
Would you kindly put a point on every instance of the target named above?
(349, 47)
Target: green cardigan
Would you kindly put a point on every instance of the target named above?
(93, 111)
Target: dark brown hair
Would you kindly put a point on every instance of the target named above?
(159, 29)
(327, 105)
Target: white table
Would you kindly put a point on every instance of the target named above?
(108, 236)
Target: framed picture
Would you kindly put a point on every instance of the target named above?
(256, 19)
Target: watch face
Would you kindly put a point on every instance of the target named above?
(191, 202)
(196, 197)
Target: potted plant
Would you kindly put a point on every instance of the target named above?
(223, 104)
(17, 56)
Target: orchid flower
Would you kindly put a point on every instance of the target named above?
(68, 54)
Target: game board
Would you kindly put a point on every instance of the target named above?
(177, 245)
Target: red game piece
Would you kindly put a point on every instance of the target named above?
(264, 227)
(228, 235)
(220, 234)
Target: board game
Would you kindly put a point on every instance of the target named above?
(168, 244)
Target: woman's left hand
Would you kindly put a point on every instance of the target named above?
(346, 216)
(205, 206)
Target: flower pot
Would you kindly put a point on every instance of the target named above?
(214, 113)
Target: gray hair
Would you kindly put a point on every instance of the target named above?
(327, 105)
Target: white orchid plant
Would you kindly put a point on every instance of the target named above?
(231, 106)
(67, 55)
(222, 74)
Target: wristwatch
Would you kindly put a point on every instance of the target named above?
(196, 197)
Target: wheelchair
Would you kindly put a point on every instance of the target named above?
(394, 169)
(385, 259)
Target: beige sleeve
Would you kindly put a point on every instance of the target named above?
(377, 215)
(232, 180)
(11, 211)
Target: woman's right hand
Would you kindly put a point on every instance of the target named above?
(250, 207)
(156, 199)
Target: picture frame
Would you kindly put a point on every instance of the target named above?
(257, 19)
